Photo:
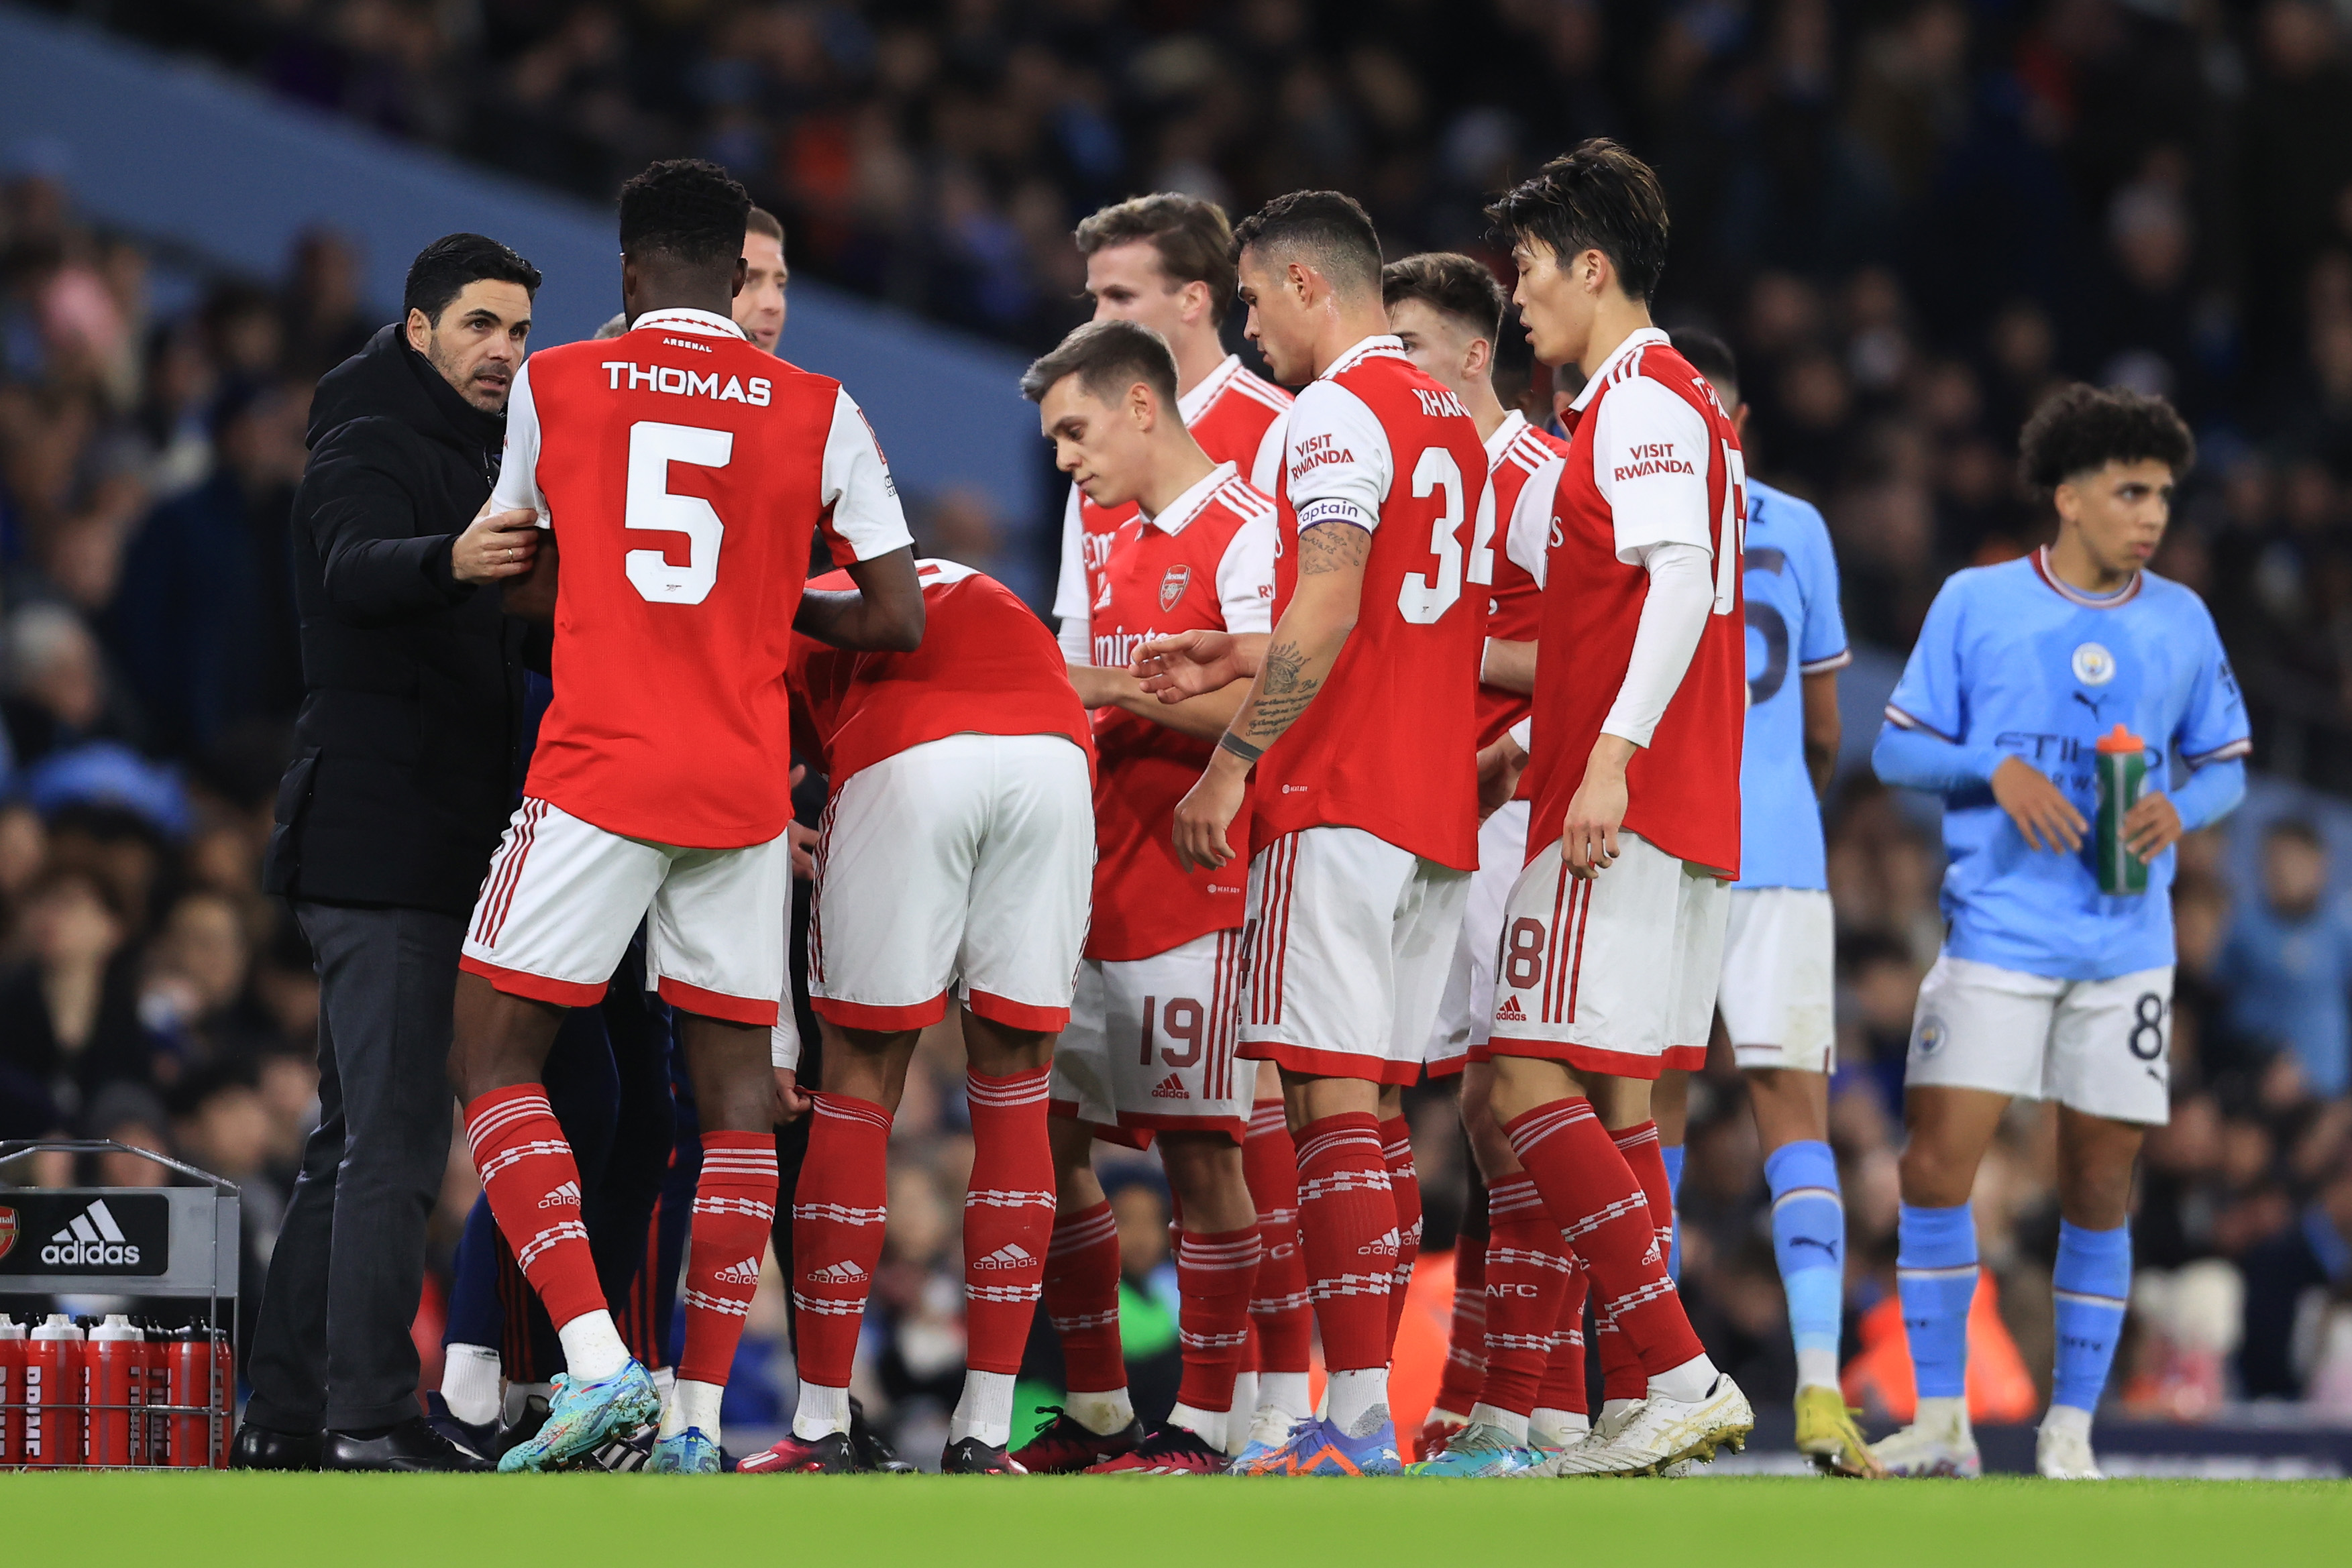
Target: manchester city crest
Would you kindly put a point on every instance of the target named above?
(2094, 666)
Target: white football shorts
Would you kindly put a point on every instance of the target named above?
(1350, 938)
(963, 865)
(1466, 1012)
(2103, 1047)
(1778, 997)
(1152, 1041)
(564, 897)
(1613, 974)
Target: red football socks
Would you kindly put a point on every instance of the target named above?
(528, 1174)
(1082, 1298)
(1008, 1216)
(1278, 1306)
(1563, 1378)
(1347, 1229)
(1599, 1205)
(837, 1217)
(1213, 1276)
(1526, 1272)
(734, 1206)
(1466, 1349)
(1621, 1377)
(1404, 1189)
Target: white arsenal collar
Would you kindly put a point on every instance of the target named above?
(1615, 364)
(1378, 343)
(703, 323)
(1187, 506)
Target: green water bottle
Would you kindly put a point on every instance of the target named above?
(2123, 779)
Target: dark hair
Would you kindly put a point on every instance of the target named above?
(2079, 429)
(761, 221)
(1599, 197)
(1711, 356)
(1107, 357)
(442, 269)
(1332, 230)
(686, 209)
(2301, 830)
(1451, 284)
(1193, 237)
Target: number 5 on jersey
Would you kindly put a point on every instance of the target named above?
(653, 508)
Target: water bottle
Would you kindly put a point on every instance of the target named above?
(12, 1392)
(2123, 779)
(118, 1386)
(54, 1373)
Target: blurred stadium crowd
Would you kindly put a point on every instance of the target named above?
(1910, 218)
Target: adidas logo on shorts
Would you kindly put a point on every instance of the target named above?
(747, 1273)
(1170, 1088)
(842, 1273)
(1384, 1247)
(566, 1196)
(1012, 1255)
(1509, 1011)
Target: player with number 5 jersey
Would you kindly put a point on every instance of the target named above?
(683, 474)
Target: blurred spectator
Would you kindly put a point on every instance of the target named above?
(69, 1008)
(2285, 968)
(2292, 1283)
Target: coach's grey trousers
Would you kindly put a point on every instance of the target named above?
(331, 1348)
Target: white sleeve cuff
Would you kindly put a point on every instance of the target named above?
(1523, 734)
(1077, 637)
(785, 1039)
(1673, 615)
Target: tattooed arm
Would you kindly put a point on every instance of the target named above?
(1298, 661)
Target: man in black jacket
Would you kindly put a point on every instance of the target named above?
(406, 763)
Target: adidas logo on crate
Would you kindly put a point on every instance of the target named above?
(90, 1238)
(1170, 1088)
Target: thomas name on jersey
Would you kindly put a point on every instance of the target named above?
(680, 383)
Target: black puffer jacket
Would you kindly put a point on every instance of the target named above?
(408, 746)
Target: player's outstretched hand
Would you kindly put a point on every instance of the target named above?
(1500, 766)
(1192, 664)
(793, 1101)
(495, 546)
(2038, 807)
(2151, 827)
(1205, 814)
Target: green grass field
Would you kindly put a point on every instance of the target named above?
(68, 1520)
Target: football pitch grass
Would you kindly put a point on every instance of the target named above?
(67, 1521)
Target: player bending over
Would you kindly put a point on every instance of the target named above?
(1447, 312)
(954, 856)
(1148, 1054)
(1166, 261)
(684, 473)
(1361, 723)
(1613, 932)
(2050, 986)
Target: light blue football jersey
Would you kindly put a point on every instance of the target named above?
(2013, 661)
(1794, 629)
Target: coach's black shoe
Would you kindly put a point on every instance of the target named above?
(259, 1448)
(412, 1445)
(874, 1452)
(481, 1441)
(971, 1456)
(524, 1427)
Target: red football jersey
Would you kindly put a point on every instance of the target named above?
(684, 472)
(1236, 418)
(1206, 563)
(1389, 744)
(1525, 468)
(987, 666)
(1652, 459)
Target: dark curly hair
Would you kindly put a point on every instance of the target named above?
(686, 209)
(1598, 196)
(2079, 429)
(1328, 228)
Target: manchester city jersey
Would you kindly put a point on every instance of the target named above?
(2013, 662)
(1794, 630)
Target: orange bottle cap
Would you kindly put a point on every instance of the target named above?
(2120, 739)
